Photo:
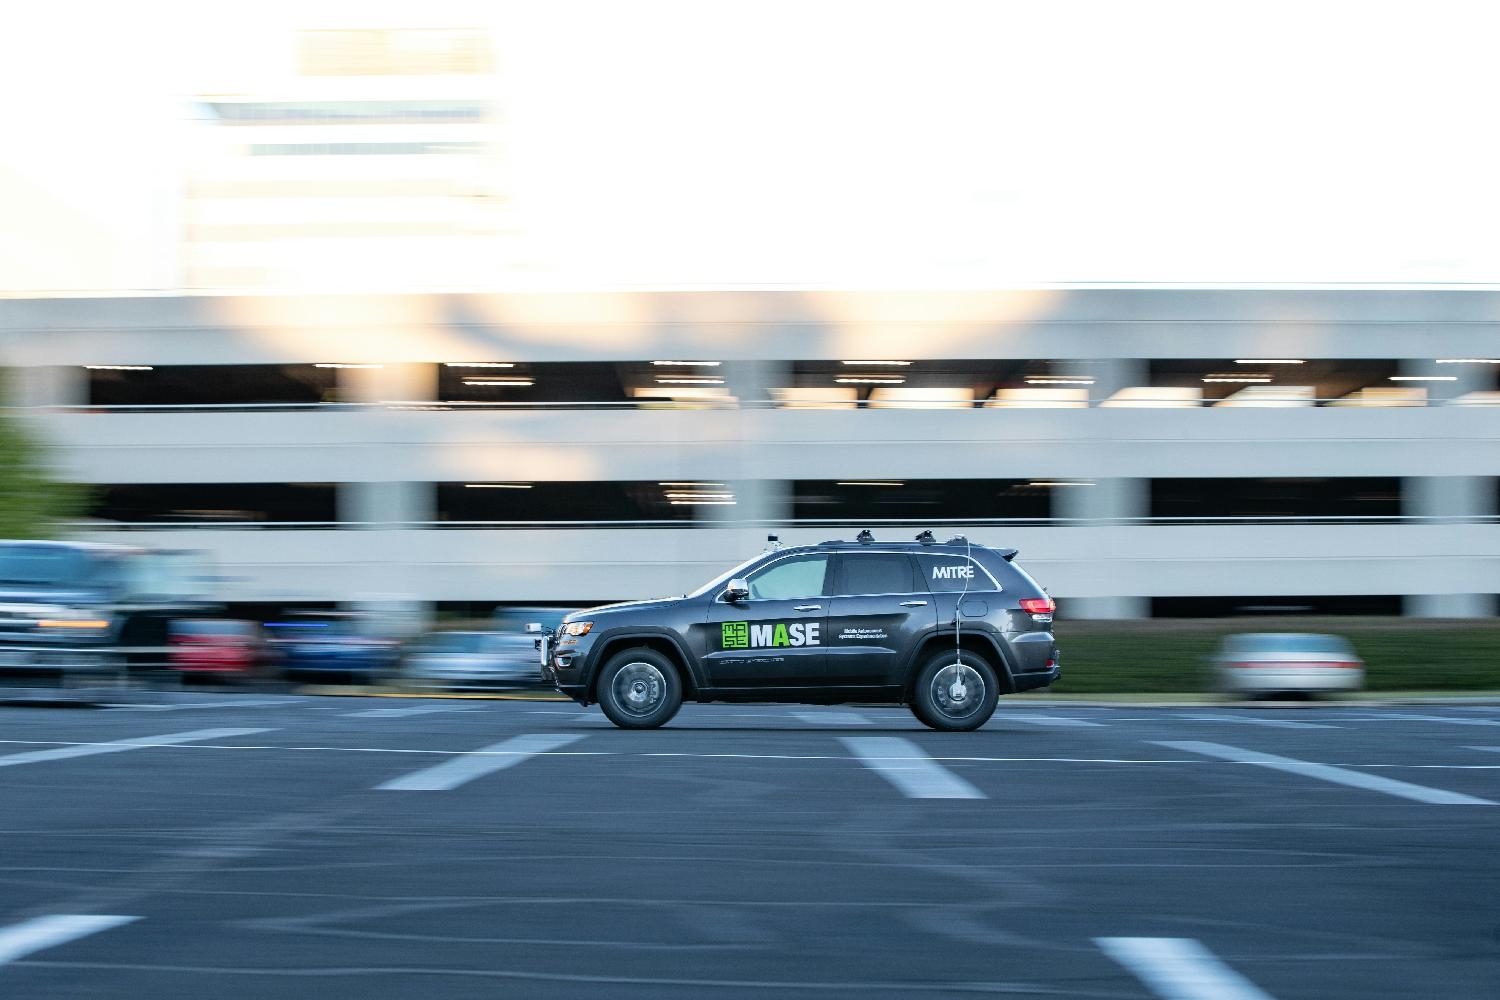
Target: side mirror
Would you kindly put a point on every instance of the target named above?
(738, 590)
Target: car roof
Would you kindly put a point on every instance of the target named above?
(949, 547)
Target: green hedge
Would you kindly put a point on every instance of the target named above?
(1164, 656)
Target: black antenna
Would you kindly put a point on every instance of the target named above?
(864, 537)
(926, 537)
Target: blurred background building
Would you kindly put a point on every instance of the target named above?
(1150, 451)
(325, 290)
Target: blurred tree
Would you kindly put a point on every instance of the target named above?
(33, 504)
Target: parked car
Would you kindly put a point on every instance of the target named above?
(473, 659)
(332, 644)
(204, 647)
(1287, 662)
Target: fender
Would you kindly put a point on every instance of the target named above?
(946, 630)
(628, 632)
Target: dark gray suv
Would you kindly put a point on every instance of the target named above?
(942, 627)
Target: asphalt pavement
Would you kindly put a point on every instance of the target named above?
(254, 845)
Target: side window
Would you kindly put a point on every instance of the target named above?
(877, 573)
(790, 579)
(945, 573)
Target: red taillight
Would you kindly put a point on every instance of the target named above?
(1038, 605)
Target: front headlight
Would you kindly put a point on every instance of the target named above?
(577, 628)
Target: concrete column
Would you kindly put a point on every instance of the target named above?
(1107, 501)
(47, 385)
(757, 500)
(1449, 498)
(1110, 375)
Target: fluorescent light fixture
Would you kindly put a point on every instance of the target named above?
(1049, 380)
(500, 381)
(1050, 482)
(700, 364)
(690, 381)
(897, 364)
(479, 364)
(699, 496)
(328, 365)
(497, 486)
(1269, 361)
(871, 380)
(1249, 379)
(1468, 361)
(1424, 378)
(870, 482)
(690, 484)
(703, 503)
(120, 368)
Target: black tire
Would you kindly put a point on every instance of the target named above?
(933, 701)
(639, 689)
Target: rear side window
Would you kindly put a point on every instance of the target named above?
(877, 573)
(953, 573)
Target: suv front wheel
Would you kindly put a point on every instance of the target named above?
(955, 691)
(639, 689)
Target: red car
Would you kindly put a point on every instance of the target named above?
(215, 647)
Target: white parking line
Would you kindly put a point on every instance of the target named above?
(1250, 720)
(903, 764)
(1409, 717)
(1328, 772)
(20, 940)
(460, 770)
(392, 713)
(1049, 720)
(833, 718)
(1180, 969)
(189, 706)
(116, 746)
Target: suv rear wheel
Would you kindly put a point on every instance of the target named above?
(639, 689)
(955, 691)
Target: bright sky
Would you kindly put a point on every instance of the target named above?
(939, 143)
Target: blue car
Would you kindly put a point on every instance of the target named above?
(331, 645)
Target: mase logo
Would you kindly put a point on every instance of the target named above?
(743, 635)
(955, 572)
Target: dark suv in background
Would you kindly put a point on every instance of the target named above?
(945, 628)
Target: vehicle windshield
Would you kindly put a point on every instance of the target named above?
(1287, 642)
(46, 566)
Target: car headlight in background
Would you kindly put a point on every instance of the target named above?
(577, 628)
(75, 624)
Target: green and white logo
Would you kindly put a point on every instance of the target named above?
(743, 635)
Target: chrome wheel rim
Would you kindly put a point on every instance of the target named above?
(958, 691)
(639, 688)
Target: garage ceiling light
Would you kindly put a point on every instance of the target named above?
(497, 486)
(328, 365)
(870, 482)
(1468, 361)
(871, 380)
(1424, 378)
(699, 364)
(479, 364)
(1269, 361)
(889, 363)
(1058, 380)
(1250, 379)
(120, 368)
(686, 380)
(523, 382)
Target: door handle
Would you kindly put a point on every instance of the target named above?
(914, 604)
(808, 607)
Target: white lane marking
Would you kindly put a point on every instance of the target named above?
(452, 773)
(116, 746)
(833, 718)
(20, 940)
(1250, 720)
(189, 706)
(1049, 720)
(903, 764)
(1328, 772)
(1408, 717)
(392, 713)
(1180, 969)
